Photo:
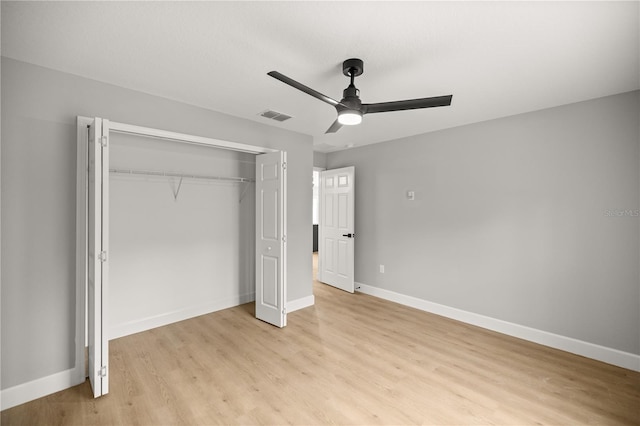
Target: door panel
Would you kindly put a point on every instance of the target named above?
(270, 281)
(94, 268)
(98, 237)
(105, 264)
(337, 228)
(343, 255)
(271, 238)
(343, 211)
(327, 212)
(327, 256)
(268, 206)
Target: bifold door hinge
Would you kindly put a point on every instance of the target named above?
(284, 166)
(103, 141)
(103, 371)
(284, 311)
(284, 238)
(103, 256)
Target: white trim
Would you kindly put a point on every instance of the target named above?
(137, 326)
(303, 302)
(38, 388)
(568, 344)
(182, 137)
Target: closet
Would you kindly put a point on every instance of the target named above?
(172, 226)
(182, 239)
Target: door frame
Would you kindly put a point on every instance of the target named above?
(82, 187)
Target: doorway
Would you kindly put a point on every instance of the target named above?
(336, 230)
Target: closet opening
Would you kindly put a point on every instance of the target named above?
(172, 226)
(182, 231)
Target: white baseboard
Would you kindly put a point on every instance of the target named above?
(145, 324)
(303, 302)
(568, 344)
(38, 388)
(137, 326)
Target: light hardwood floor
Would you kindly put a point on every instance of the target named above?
(350, 359)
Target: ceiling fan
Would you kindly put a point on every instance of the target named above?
(350, 109)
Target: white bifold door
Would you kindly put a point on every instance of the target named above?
(336, 231)
(98, 268)
(271, 238)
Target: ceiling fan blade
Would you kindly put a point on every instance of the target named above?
(436, 101)
(334, 127)
(309, 91)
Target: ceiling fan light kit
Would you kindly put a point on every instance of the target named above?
(348, 117)
(351, 109)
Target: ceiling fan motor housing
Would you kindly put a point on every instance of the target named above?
(351, 98)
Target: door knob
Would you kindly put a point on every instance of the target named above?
(349, 235)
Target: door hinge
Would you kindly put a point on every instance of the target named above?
(284, 238)
(284, 165)
(103, 141)
(103, 256)
(284, 311)
(103, 371)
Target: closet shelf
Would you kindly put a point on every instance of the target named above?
(180, 175)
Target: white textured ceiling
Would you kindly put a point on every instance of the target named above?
(496, 58)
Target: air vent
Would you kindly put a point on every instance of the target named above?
(275, 115)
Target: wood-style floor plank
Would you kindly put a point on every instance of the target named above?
(350, 359)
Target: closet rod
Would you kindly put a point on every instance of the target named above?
(180, 175)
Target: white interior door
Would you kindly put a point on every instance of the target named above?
(98, 221)
(336, 231)
(271, 232)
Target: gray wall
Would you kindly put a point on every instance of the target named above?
(319, 159)
(39, 109)
(520, 219)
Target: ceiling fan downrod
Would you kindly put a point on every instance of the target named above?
(350, 103)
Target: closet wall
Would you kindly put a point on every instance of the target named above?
(185, 249)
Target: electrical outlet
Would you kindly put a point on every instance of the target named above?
(382, 269)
